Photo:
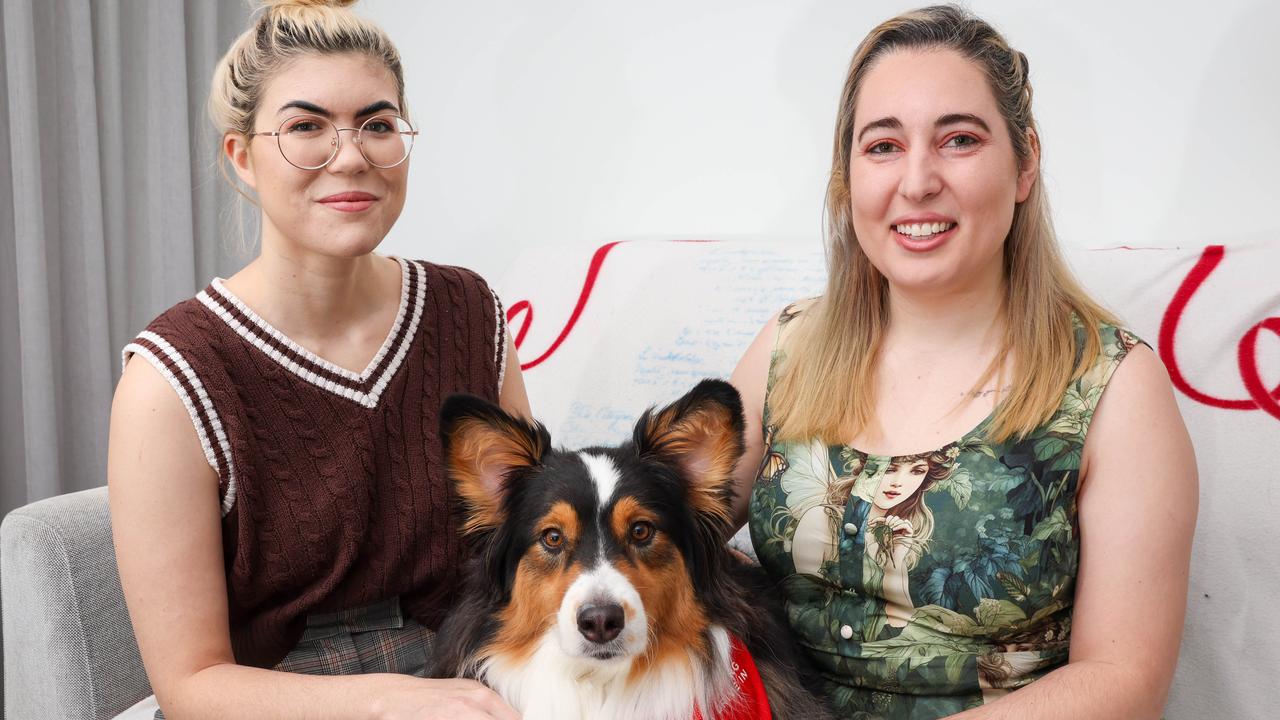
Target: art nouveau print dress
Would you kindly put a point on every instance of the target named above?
(927, 584)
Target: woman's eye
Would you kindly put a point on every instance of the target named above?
(304, 126)
(552, 539)
(882, 148)
(378, 127)
(641, 532)
(961, 141)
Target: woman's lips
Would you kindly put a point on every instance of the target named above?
(891, 494)
(923, 243)
(349, 201)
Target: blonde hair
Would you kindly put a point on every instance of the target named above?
(283, 31)
(832, 353)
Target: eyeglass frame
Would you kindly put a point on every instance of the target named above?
(337, 136)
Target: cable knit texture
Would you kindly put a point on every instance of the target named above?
(336, 489)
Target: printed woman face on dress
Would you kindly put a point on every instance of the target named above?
(345, 208)
(902, 479)
(933, 178)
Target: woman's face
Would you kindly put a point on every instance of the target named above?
(345, 208)
(932, 178)
(901, 481)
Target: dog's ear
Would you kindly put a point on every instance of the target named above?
(701, 433)
(484, 448)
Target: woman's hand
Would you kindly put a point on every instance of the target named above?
(898, 527)
(411, 698)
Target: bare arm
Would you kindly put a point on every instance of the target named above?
(513, 397)
(1138, 503)
(751, 378)
(167, 531)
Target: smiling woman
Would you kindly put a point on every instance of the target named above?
(956, 433)
(275, 475)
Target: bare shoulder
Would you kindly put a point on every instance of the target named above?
(759, 353)
(142, 385)
(151, 430)
(146, 400)
(1138, 423)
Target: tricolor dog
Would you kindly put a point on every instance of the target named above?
(601, 586)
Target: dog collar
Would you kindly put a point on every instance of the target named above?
(752, 702)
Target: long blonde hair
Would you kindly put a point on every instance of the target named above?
(832, 352)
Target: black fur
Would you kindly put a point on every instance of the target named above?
(737, 596)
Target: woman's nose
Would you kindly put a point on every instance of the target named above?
(920, 179)
(349, 157)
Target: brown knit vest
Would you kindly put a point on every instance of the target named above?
(333, 490)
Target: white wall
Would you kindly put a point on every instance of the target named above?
(557, 122)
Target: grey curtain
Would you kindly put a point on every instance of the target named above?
(111, 209)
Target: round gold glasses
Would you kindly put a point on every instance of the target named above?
(310, 142)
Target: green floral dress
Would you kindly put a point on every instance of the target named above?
(928, 584)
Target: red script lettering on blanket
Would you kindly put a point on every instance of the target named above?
(526, 307)
(1246, 351)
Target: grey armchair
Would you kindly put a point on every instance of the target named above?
(69, 650)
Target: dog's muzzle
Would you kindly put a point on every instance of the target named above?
(601, 623)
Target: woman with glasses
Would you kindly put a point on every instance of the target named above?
(277, 490)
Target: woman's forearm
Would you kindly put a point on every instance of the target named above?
(1082, 689)
(228, 690)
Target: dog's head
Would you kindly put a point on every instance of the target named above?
(609, 553)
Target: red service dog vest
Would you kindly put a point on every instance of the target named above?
(752, 702)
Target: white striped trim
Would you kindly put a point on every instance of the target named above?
(499, 340)
(228, 500)
(368, 399)
(288, 342)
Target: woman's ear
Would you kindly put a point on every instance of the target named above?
(235, 147)
(1029, 172)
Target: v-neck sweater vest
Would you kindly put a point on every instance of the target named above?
(332, 486)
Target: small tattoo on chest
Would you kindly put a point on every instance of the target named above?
(985, 393)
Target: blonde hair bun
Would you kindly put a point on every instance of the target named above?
(273, 4)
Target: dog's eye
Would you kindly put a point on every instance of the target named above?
(641, 532)
(552, 539)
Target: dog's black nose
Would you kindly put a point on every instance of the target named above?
(601, 623)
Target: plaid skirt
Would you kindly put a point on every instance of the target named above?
(375, 638)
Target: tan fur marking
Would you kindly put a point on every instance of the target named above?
(626, 511)
(677, 620)
(705, 443)
(561, 515)
(480, 455)
(540, 585)
(535, 600)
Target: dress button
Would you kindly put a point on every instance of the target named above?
(846, 632)
(850, 529)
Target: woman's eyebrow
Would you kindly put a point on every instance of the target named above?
(313, 108)
(887, 123)
(377, 107)
(961, 118)
(893, 123)
(304, 105)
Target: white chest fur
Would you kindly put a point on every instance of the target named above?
(553, 686)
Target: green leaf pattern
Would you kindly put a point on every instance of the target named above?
(921, 613)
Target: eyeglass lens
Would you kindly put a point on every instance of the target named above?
(311, 141)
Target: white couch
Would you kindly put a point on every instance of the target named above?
(657, 317)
